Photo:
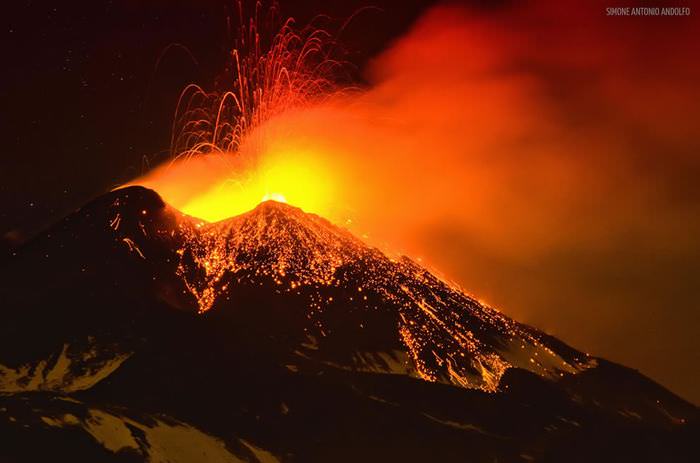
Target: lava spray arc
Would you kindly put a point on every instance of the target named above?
(226, 156)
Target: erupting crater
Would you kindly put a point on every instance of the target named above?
(129, 321)
(411, 322)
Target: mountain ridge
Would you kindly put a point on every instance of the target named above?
(104, 346)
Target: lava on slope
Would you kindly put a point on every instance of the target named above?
(131, 332)
(354, 307)
(438, 333)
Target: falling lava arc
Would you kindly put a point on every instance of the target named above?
(230, 147)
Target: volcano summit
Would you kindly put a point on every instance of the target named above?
(131, 332)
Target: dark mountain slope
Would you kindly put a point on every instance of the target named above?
(133, 333)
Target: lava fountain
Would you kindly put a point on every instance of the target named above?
(227, 153)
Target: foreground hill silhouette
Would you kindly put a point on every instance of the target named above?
(130, 332)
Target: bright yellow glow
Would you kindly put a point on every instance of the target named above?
(218, 186)
(287, 178)
(274, 197)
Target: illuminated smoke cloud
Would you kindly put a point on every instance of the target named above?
(534, 153)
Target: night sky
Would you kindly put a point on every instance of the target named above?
(89, 90)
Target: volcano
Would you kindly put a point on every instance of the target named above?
(132, 332)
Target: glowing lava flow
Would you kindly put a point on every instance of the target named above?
(446, 335)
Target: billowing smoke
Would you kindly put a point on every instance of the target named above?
(542, 155)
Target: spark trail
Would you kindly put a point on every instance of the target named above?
(227, 152)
